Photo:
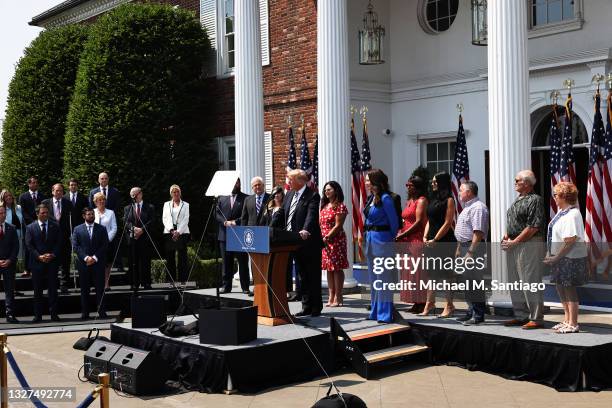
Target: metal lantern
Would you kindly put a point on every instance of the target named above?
(479, 22)
(371, 39)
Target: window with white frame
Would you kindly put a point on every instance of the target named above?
(554, 16)
(436, 16)
(217, 17)
(227, 153)
(438, 156)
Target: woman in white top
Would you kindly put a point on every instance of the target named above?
(106, 218)
(175, 218)
(14, 216)
(567, 253)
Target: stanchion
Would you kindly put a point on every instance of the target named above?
(104, 380)
(3, 372)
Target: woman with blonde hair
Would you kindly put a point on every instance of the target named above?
(175, 218)
(567, 253)
(106, 217)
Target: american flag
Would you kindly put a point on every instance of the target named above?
(305, 162)
(607, 177)
(567, 166)
(594, 199)
(461, 165)
(314, 178)
(357, 178)
(292, 160)
(555, 158)
(365, 165)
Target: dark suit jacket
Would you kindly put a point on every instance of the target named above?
(147, 214)
(37, 246)
(28, 206)
(113, 198)
(306, 216)
(64, 221)
(96, 246)
(274, 220)
(76, 209)
(225, 211)
(9, 245)
(249, 210)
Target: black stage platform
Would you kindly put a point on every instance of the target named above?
(569, 362)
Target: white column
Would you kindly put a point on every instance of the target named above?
(248, 93)
(333, 105)
(509, 129)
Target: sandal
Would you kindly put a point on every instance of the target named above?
(559, 325)
(427, 312)
(568, 329)
(448, 315)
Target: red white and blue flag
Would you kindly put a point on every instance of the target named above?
(314, 178)
(356, 182)
(461, 166)
(292, 159)
(555, 158)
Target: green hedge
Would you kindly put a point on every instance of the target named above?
(140, 85)
(38, 101)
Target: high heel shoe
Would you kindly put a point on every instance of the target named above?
(417, 308)
(428, 312)
(448, 315)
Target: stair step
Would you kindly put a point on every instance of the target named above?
(393, 352)
(377, 331)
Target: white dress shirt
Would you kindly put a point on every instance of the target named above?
(108, 220)
(178, 215)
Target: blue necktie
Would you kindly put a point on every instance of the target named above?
(258, 204)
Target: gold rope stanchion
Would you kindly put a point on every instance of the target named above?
(104, 380)
(3, 372)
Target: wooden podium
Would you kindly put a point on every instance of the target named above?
(270, 281)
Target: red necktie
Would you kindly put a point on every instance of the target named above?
(138, 211)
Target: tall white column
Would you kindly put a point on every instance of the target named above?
(509, 129)
(333, 104)
(248, 93)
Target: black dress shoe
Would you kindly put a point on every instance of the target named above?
(147, 287)
(464, 318)
(103, 315)
(11, 319)
(368, 307)
(84, 317)
(55, 318)
(472, 322)
(225, 290)
(247, 292)
(304, 313)
(37, 319)
(17, 293)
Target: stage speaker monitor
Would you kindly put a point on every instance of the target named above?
(228, 326)
(138, 372)
(97, 358)
(148, 311)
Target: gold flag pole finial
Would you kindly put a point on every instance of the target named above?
(569, 84)
(460, 108)
(598, 79)
(353, 110)
(554, 97)
(609, 81)
(290, 121)
(363, 112)
(302, 120)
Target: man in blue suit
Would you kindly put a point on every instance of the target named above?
(90, 241)
(44, 241)
(9, 248)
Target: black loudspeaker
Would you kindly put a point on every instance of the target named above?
(97, 358)
(228, 326)
(138, 372)
(148, 311)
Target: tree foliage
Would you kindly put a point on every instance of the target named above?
(38, 101)
(139, 87)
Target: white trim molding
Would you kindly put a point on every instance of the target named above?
(81, 12)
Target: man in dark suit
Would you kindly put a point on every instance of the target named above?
(113, 202)
(59, 211)
(138, 218)
(28, 202)
(44, 240)
(90, 241)
(301, 208)
(255, 205)
(9, 248)
(228, 212)
(78, 201)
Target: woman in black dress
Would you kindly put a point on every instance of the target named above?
(439, 239)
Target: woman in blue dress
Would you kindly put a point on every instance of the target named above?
(381, 224)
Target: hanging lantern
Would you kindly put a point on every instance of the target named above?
(479, 22)
(371, 39)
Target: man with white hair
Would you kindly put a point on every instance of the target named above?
(255, 205)
(524, 245)
(138, 218)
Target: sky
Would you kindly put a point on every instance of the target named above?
(15, 36)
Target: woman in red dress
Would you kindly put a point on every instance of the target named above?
(414, 219)
(331, 218)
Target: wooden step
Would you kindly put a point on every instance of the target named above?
(377, 331)
(393, 352)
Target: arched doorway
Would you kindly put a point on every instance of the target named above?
(540, 151)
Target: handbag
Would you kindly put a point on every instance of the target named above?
(85, 342)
